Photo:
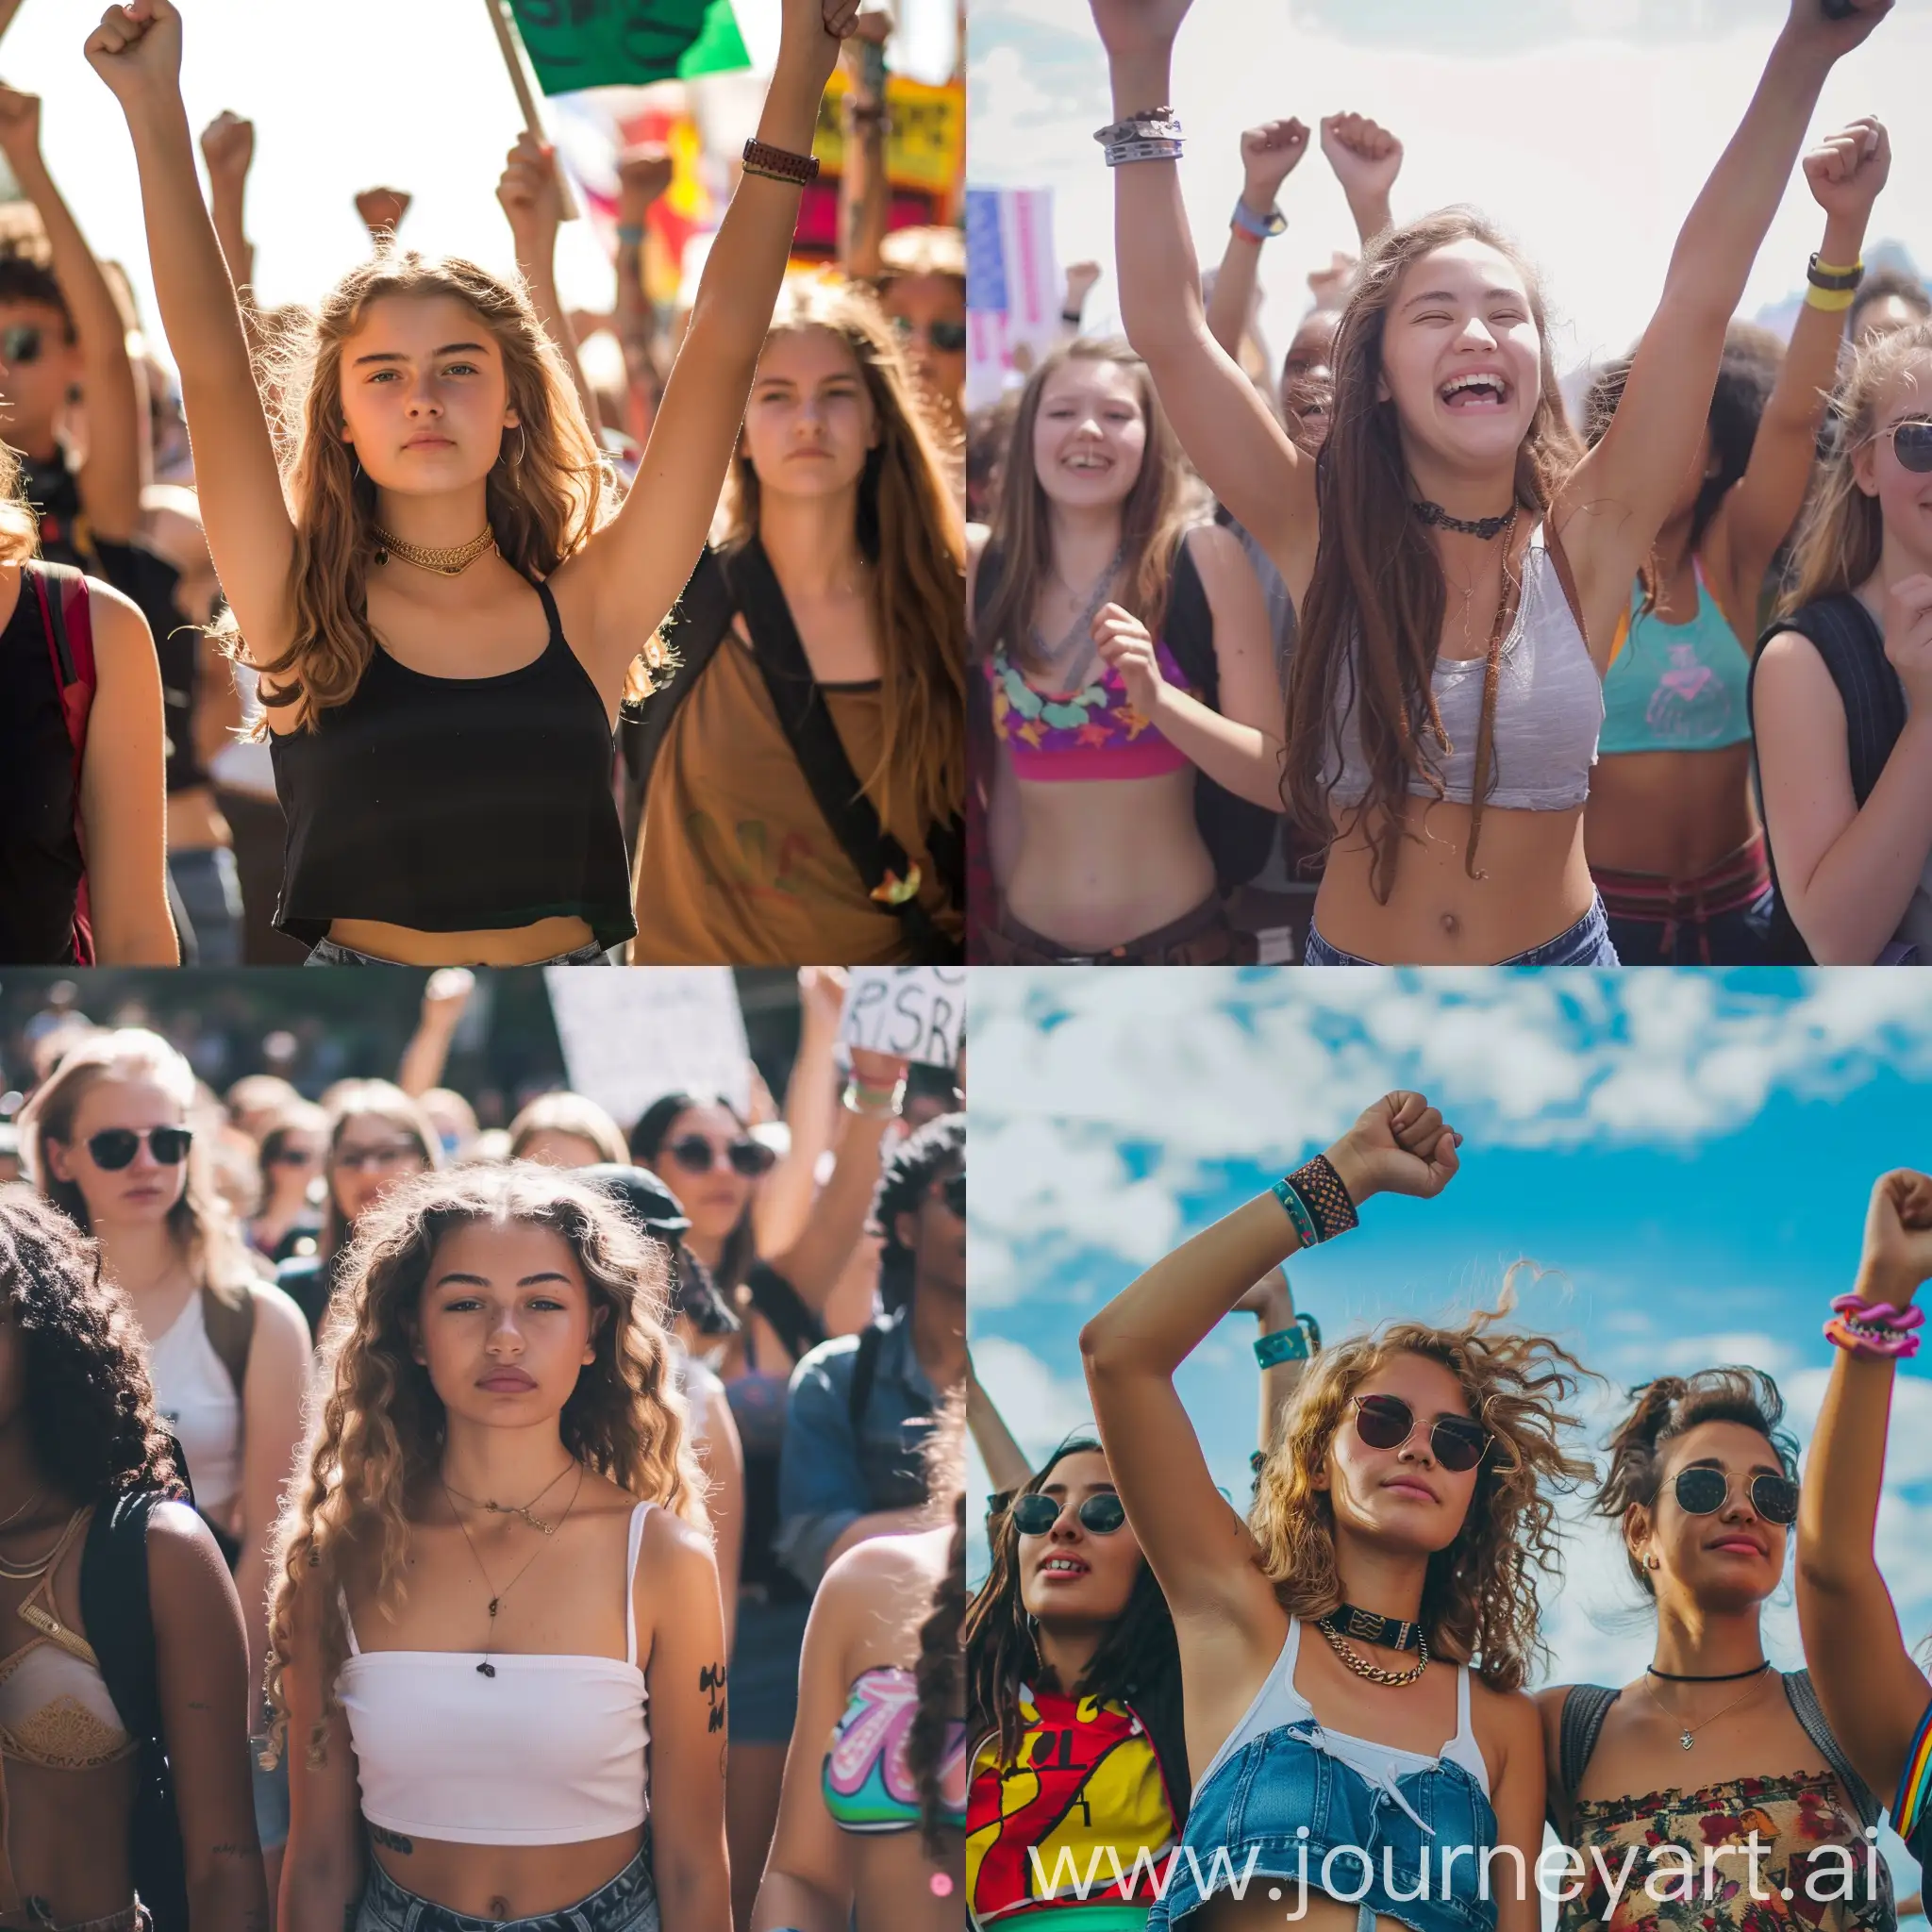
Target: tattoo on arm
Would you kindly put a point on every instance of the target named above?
(392, 1840)
(711, 1682)
(233, 1852)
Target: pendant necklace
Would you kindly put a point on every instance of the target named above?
(445, 564)
(487, 1669)
(1687, 1733)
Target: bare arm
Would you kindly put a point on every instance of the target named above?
(1273, 1306)
(1847, 874)
(865, 196)
(1519, 1802)
(1871, 1690)
(236, 479)
(1615, 502)
(1269, 154)
(228, 146)
(531, 200)
(123, 796)
(1367, 159)
(445, 998)
(721, 1455)
(1006, 1461)
(643, 175)
(110, 479)
(270, 1432)
(323, 1871)
(811, 1112)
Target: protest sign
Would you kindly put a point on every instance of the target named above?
(917, 1013)
(628, 1037)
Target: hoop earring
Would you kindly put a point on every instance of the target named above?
(516, 462)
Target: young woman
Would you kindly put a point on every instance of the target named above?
(1710, 1745)
(1078, 594)
(376, 1137)
(839, 601)
(1399, 1520)
(126, 1801)
(1672, 829)
(292, 1154)
(501, 1432)
(442, 617)
(1873, 1691)
(566, 1131)
(1459, 572)
(1841, 694)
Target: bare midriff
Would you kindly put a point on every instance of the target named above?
(505, 1881)
(1102, 861)
(1534, 885)
(522, 945)
(1670, 814)
(67, 1834)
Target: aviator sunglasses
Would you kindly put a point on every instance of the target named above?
(1703, 1491)
(696, 1155)
(1386, 1422)
(1911, 444)
(114, 1148)
(1100, 1514)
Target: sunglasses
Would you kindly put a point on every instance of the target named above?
(947, 337)
(20, 343)
(356, 1158)
(952, 1190)
(1100, 1514)
(1705, 1492)
(1911, 444)
(1386, 1422)
(293, 1154)
(696, 1155)
(114, 1148)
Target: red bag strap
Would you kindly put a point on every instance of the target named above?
(67, 623)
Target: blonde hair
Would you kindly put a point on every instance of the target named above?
(20, 529)
(1842, 536)
(378, 1433)
(546, 491)
(569, 1113)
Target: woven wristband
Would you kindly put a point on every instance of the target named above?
(1283, 1345)
(1297, 1211)
(1322, 1198)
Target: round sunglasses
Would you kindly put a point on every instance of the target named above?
(1703, 1491)
(1911, 444)
(747, 1157)
(1386, 1422)
(1100, 1514)
(114, 1148)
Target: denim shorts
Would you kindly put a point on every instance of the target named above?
(1586, 943)
(327, 953)
(627, 1904)
(1279, 1807)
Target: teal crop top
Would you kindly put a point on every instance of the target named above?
(868, 1785)
(1676, 687)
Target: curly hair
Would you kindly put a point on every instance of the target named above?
(1479, 1595)
(1671, 1406)
(380, 1431)
(89, 1407)
(909, 1170)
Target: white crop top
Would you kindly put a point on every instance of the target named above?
(198, 1402)
(1278, 1704)
(550, 1751)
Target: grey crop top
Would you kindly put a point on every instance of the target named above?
(1549, 706)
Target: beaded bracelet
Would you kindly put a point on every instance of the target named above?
(873, 1103)
(1317, 1191)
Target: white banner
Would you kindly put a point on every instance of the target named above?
(633, 1035)
(917, 1013)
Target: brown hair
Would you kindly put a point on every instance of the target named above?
(940, 1675)
(1842, 535)
(374, 1100)
(379, 1430)
(20, 529)
(569, 1113)
(1373, 617)
(1154, 518)
(1479, 1596)
(911, 532)
(543, 507)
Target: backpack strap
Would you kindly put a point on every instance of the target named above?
(1584, 1711)
(230, 1331)
(1188, 629)
(889, 876)
(781, 1305)
(1844, 635)
(67, 623)
(865, 1371)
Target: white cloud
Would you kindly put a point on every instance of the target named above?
(1039, 1406)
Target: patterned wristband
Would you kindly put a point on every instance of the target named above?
(1859, 1338)
(1283, 1345)
(1321, 1194)
(1244, 220)
(1297, 1211)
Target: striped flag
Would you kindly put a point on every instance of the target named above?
(580, 43)
(1013, 291)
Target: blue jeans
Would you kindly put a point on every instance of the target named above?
(627, 1904)
(210, 894)
(327, 953)
(1586, 943)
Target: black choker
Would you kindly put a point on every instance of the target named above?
(1485, 527)
(1727, 1677)
(1365, 1626)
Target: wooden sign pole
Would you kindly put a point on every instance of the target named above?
(514, 59)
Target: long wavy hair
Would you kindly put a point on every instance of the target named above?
(1842, 535)
(1154, 518)
(20, 529)
(911, 532)
(574, 1114)
(204, 1229)
(379, 1100)
(1373, 617)
(647, 1139)
(1479, 1595)
(376, 1435)
(90, 1405)
(546, 491)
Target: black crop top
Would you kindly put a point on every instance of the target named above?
(456, 804)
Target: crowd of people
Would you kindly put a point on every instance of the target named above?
(375, 632)
(331, 1425)
(1470, 677)
(1183, 1712)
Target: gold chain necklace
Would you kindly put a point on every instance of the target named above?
(523, 1509)
(1687, 1733)
(445, 564)
(487, 1669)
(35, 1567)
(1374, 1672)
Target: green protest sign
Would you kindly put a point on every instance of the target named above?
(579, 43)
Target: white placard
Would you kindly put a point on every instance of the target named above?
(917, 1013)
(635, 1034)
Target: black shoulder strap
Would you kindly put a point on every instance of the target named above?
(805, 719)
(1842, 632)
(785, 1308)
(1188, 628)
(865, 1371)
(986, 580)
(1584, 1711)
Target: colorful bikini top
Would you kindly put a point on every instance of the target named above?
(1092, 733)
(1676, 687)
(868, 1784)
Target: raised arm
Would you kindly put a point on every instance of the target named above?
(643, 176)
(1366, 160)
(1616, 499)
(641, 560)
(999, 1449)
(1200, 1549)
(1873, 1691)
(445, 994)
(137, 51)
(228, 148)
(865, 196)
(1271, 1303)
(1224, 424)
(1269, 154)
(1846, 173)
(110, 479)
(811, 1112)
(533, 205)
